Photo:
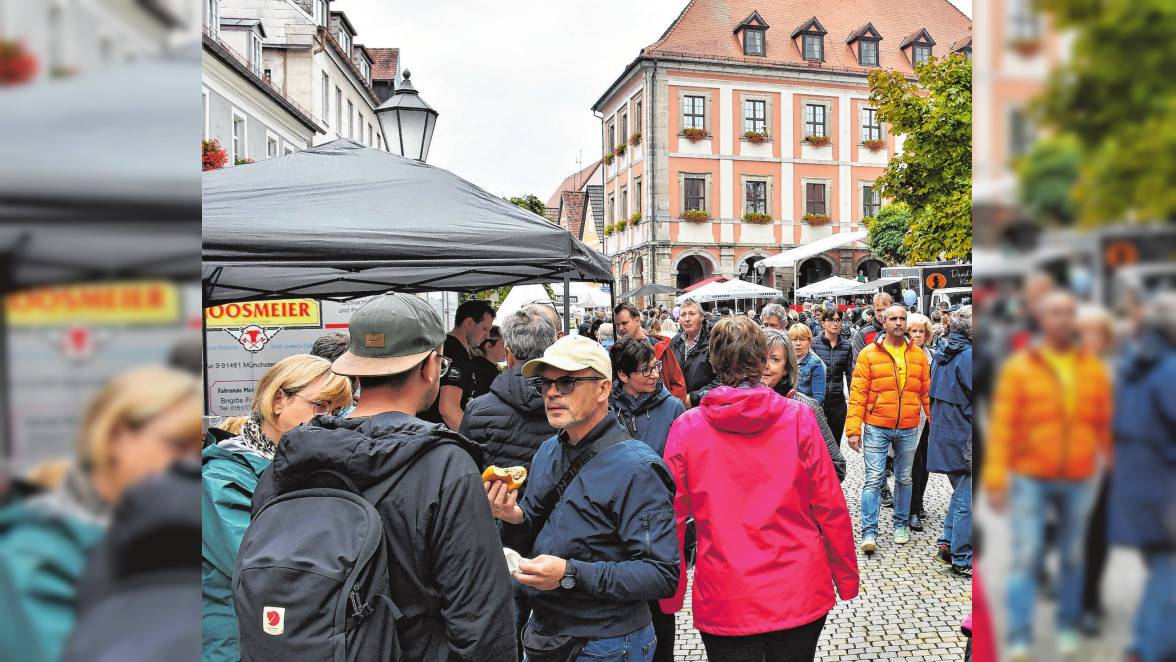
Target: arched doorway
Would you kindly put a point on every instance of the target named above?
(813, 270)
(692, 269)
(871, 268)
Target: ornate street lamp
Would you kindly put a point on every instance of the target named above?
(407, 122)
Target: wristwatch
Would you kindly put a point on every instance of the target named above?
(569, 578)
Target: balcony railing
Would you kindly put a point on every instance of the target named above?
(258, 73)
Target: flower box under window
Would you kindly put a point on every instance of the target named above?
(752, 217)
(695, 135)
(608, 159)
(622, 224)
(214, 155)
(875, 145)
(818, 141)
(619, 150)
(636, 218)
(756, 138)
(635, 139)
(695, 216)
(609, 229)
(816, 220)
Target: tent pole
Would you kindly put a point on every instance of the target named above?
(567, 304)
(612, 301)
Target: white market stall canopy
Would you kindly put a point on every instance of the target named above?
(871, 286)
(831, 286)
(789, 258)
(731, 289)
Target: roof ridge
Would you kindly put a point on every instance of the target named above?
(672, 26)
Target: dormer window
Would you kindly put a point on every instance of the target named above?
(320, 12)
(345, 41)
(812, 40)
(753, 28)
(212, 17)
(921, 53)
(255, 50)
(866, 38)
(920, 44)
(868, 53)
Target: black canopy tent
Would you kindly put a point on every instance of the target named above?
(648, 291)
(342, 220)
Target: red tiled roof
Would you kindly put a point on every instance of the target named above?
(575, 182)
(573, 204)
(384, 63)
(704, 29)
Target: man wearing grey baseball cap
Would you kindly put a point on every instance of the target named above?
(445, 562)
(597, 517)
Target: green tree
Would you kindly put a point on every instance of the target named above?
(531, 203)
(1049, 174)
(1117, 96)
(933, 175)
(888, 232)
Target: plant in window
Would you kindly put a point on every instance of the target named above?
(695, 216)
(1026, 46)
(214, 155)
(816, 220)
(243, 161)
(608, 159)
(635, 139)
(756, 138)
(619, 150)
(818, 141)
(874, 145)
(609, 229)
(753, 217)
(635, 219)
(694, 135)
(622, 224)
(16, 64)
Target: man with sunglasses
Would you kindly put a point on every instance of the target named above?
(597, 516)
(444, 555)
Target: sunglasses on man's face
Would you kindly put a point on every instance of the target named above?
(564, 385)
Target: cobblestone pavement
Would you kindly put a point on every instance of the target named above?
(910, 607)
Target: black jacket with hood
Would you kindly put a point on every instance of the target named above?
(509, 420)
(448, 574)
(700, 376)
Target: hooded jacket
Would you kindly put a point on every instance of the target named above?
(774, 532)
(823, 423)
(448, 574)
(510, 421)
(695, 365)
(949, 448)
(648, 418)
(229, 473)
(1143, 484)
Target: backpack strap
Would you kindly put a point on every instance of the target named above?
(611, 438)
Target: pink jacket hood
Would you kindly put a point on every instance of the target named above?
(742, 410)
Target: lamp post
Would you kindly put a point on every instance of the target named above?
(407, 122)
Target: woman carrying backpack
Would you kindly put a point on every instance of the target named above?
(292, 392)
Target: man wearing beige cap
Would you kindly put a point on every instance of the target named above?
(597, 517)
(445, 564)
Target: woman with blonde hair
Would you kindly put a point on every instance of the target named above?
(137, 425)
(291, 393)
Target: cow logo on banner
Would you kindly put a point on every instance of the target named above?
(253, 337)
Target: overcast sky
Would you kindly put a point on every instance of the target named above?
(514, 81)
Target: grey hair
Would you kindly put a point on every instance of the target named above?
(527, 334)
(686, 303)
(1160, 315)
(548, 310)
(774, 310)
(778, 338)
(605, 332)
(883, 297)
(961, 321)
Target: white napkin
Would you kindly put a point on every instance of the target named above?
(513, 559)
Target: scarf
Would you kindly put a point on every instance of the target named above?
(254, 438)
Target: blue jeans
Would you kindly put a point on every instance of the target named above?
(1029, 499)
(875, 442)
(957, 523)
(1155, 639)
(633, 647)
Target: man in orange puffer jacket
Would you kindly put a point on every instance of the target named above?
(890, 385)
(1051, 426)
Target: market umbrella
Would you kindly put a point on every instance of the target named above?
(731, 289)
(648, 291)
(830, 286)
(342, 220)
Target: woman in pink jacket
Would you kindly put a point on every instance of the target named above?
(774, 533)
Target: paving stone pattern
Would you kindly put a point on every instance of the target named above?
(910, 606)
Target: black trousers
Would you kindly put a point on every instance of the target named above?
(919, 473)
(1096, 550)
(663, 629)
(835, 413)
(798, 644)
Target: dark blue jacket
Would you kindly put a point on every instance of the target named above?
(614, 526)
(837, 367)
(696, 366)
(949, 444)
(649, 419)
(1143, 483)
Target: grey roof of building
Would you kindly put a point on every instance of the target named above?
(596, 197)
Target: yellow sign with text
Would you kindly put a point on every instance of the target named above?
(282, 312)
(135, 303)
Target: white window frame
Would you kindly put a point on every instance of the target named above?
(255, 52)
(272, 138)
(204, 93)
(326, 99)
(338, 111)
(233, 155)
(862, 130)
(287, 150)
(212, 17)
(344, 40)
(350, 120)
(769, 191)
(827, 182)
(862, 184)
(707, 196)
(320, 13)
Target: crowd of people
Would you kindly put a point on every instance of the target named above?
(647, 452)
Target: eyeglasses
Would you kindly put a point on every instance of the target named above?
(835, 320)
(445, 363)
(321, 407)
(564, 385)
(650, 369)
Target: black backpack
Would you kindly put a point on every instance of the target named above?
(311, 580)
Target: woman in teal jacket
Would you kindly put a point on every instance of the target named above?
(293, 391)
(136, 426)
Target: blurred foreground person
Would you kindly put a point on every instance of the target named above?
(597, 515)
(774, 534)
(1051, 421)
(781, 374)
(950, 439)
(436, 556)
(1142, 504)
(136, 426)
(289, 394)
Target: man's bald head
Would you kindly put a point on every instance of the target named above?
(1057, 315)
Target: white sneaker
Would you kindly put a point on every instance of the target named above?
(1069, 642)
(1020, 653)
(869, 544)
